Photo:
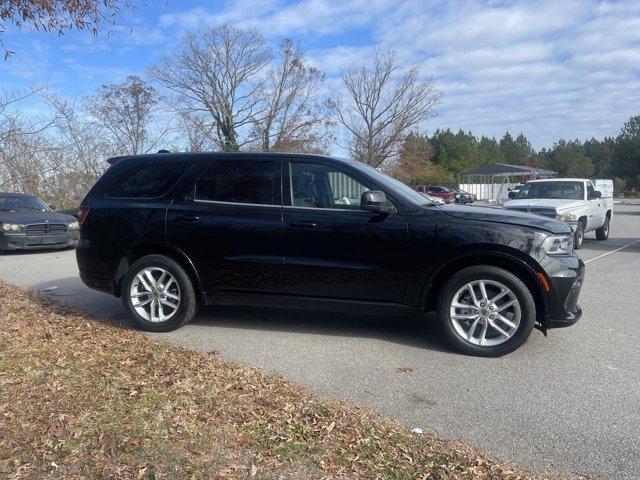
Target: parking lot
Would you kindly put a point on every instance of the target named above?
(566, 403)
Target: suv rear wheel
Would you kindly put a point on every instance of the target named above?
(486, 311)
(158, 294)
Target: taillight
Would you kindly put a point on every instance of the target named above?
(83, 212)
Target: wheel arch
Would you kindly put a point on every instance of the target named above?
(139, 250)
(510, 261)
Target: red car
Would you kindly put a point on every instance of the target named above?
(444, 193)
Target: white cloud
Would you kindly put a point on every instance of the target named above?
(549, 68)
(277, 18)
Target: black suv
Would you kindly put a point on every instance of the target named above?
(167, 232)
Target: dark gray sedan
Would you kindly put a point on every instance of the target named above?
(27, 223)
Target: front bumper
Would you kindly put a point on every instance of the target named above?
(566, 276)
(38, 242)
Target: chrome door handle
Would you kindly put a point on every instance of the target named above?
(303, 224)
(187, 217)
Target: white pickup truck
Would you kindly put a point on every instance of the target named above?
(584, 204)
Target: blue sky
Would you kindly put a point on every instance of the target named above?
(549, 68)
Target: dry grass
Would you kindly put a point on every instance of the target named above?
(82, 399)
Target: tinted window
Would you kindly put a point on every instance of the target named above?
(238, 182)
(590, 190)
(147, 181)
(436, 189)
(318, 186)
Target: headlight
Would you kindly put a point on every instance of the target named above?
(558, 245)
(568, 217)
(11, 227)
(74, 226)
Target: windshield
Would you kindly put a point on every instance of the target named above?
(14, 204)
(554, 190)
(396, 185)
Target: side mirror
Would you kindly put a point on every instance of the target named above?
(52, 206)
(595, 194)
(376, 201)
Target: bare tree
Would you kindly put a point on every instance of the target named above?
(128, 112)
(78, 156)
(195, 132)
(22, 143)
(59, 16)
(216, 75)
(382, 106)
(294, 118)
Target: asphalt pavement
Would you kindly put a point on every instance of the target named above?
(567, 403)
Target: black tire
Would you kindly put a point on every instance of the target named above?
(578, 235)
(602, 233)
(188, 305)
(489, 273)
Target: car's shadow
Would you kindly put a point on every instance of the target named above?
(414, 332)
(422, 333)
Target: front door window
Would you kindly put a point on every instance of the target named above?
(319, 186)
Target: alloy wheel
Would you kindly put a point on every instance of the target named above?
(485, 313)
(155, 294)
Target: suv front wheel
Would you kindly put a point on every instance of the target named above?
(158, 294)
(486, 311)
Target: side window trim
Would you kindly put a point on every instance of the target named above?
(267, 205)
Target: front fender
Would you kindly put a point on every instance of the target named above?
(479, 254)
(517, 262)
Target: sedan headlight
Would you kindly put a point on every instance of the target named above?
(558, 245)
(74, 226)
(11, 227)
(568, 217)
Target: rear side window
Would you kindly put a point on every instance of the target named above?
(238, 181)
(147, 181)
